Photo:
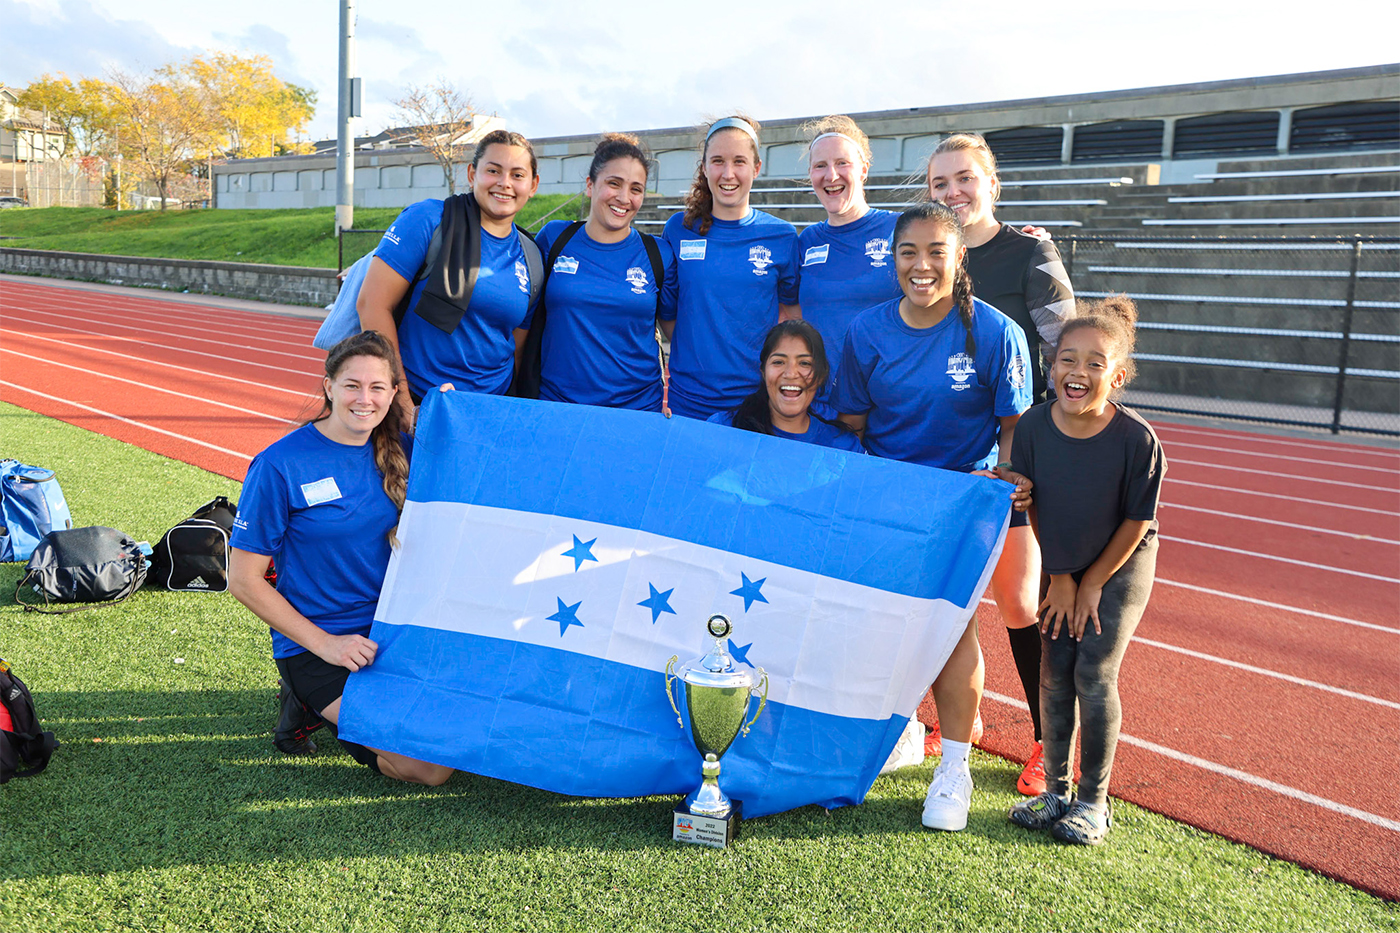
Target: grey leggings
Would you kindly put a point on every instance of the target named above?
(1086, 672)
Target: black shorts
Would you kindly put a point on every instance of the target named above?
(318, 684)
(1020, 519)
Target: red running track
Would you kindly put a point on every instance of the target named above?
(1261, 697)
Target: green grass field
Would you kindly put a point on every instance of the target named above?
(281, 237)
(167, 808)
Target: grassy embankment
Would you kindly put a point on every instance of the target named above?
(302, 237)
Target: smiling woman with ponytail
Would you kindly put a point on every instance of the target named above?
(324, 501)
(945, 389)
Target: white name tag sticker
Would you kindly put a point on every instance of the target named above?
(566, 264)
(693, 249)
(816, 254)
(323, 490)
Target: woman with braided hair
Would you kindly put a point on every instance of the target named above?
(940, 378)
(325, 501)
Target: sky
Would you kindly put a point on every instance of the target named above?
(560, 67)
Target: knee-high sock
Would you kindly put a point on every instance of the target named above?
(1025, 648)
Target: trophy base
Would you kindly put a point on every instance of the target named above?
(706, 830)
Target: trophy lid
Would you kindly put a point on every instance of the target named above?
(717, 668)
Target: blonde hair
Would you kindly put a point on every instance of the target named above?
(839, 125)
(700, 203)
(975, 144)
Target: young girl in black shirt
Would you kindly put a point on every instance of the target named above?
(1097, 469)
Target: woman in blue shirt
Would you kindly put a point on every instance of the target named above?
(481, 352)
(736, 275)
(939, 378)
(325, 501)
(599, 341)
(793, 367)
(846, 261)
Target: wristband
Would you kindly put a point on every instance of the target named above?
(1004, 465)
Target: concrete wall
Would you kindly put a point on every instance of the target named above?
(281, 284)
(901, 140)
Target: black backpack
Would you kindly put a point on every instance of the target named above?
(192, 557)
(82, 565)
(25, 749)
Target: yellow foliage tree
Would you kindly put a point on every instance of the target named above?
(253, 112)
(82, 107)
(164, 124)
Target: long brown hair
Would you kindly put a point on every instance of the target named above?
(389, 456)
(945, 217)
(700, 203)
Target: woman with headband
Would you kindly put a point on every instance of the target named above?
(736, 276)
(846, 264)
(1022, 277)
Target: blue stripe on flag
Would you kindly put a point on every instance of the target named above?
(883, 524)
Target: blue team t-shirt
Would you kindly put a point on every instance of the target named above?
(479, 354)
(926, 401)
(818, 432)
(845, 270)
(600, 341)
(319, 509)
(729, 284)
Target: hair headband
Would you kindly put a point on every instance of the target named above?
(732, 123)
(833, 133)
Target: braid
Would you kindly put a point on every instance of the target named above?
(962, 295)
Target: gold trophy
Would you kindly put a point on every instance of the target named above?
(717, 701)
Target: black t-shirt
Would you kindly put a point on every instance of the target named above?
(1023, 278)
(1086, 487)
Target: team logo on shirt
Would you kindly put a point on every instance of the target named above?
(878, 250)
(637, 278)
(566, 264)
(816, 255)
(522, 274)
(391, 236)
(1016, 372)
(960, 370)
(762, 258)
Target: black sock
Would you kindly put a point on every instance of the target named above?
(1025, 648)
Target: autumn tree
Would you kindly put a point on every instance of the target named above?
(252, 112)
(440, 117)
(82, 107)
(164, 121)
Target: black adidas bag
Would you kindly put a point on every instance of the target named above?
(82, 565)
(25, 749)
(193, 556)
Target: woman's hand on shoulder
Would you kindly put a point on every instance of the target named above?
(351, 651)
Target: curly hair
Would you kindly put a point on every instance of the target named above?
(699, 202)
(1116, 318)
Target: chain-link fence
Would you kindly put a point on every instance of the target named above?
(1284, 330)
(57, 182)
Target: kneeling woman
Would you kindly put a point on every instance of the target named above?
(325, 501)
(794, 368)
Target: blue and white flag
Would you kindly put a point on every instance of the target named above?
(555, 556)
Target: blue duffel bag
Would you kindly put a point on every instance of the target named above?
(31, 506)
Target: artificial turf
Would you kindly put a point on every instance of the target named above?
(166, 808)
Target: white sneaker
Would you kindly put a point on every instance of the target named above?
(909, 750)
(949, 798)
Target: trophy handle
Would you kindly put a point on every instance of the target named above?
(671, 676)
(762, 701)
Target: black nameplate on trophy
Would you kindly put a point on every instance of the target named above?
(706, 830)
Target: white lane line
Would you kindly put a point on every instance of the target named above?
(198, 312)
(1339, 464)
(222, 343)
(1289, 442)
(138, 424)
(1238, 775)
(1277, 475)
(1265, 672)
(132, 382)
(306, 393)
(1241, 491)
(232, 323)
(1284, 560)
(182, 350)
(1279, 606)
(1371, 539)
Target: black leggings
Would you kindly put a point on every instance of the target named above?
(1085, 673)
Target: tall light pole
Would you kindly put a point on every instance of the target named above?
(349, 107)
